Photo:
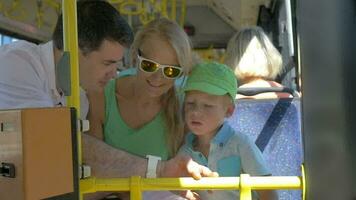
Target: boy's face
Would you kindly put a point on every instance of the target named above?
(204, 113)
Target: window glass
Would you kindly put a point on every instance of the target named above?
(4, 39)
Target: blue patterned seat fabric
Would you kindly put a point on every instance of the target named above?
(275, 125)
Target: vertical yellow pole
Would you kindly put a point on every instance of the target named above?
(135, 188)
(164, 6)
(173, 10)
(183, 12)
(304, 187)
(245, 187)
(70, 42)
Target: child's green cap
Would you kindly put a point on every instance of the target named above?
(212, 78)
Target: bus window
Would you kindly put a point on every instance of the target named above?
(4, 39)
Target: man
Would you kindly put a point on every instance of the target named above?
(29, 75)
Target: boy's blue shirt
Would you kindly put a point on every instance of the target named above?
(220, 140)
(230, 154)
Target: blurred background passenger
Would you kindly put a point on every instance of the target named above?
(255, 61)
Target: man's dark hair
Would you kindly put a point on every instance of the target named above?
(97, 20)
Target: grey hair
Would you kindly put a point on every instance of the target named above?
(261, 61)
(171, 32)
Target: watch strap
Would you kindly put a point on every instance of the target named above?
(152, 166)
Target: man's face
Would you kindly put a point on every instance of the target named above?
(98, 67)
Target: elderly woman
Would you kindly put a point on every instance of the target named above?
(255, 60)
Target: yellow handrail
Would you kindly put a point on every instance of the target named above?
(245, 183)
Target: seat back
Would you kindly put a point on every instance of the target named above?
(275, 126)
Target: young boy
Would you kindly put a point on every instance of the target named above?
(209, 98)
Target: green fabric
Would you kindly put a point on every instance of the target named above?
(213, 78)
(148, 140)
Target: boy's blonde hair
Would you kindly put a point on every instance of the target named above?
(251, 54)
(171, 32)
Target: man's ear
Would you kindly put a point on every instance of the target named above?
(230, 110)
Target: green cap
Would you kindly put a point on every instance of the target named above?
(212, 78)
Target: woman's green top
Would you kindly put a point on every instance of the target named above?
(147, 140)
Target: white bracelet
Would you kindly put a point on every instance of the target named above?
(152, 166)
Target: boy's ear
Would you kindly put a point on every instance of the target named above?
(230, 110)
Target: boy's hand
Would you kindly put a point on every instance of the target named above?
(189, 194)
(183, 166)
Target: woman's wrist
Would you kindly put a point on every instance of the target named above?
(160, 166)
(152, 166)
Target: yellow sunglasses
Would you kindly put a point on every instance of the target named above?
(150, 66)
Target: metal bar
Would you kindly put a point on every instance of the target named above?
(190, 183)
(289, 27)
(135, 184)
(245, 187)
(70, 40)
(90, 185)
(173, 10)
(275, 182)
(183, 13)
(70, 44)
(226, 183)
(164, 6)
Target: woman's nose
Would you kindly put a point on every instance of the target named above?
(158, 75)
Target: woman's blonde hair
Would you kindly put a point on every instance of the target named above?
(171, 32)
(251, 54)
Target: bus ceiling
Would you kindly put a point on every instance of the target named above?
(35, 19)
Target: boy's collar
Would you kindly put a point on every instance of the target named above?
(221, 137)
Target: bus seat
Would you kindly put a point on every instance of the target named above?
(275, 126)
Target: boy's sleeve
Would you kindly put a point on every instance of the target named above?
(251, 158)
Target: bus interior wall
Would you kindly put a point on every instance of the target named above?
(327, 48)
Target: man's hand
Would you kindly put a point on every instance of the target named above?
(183, 166)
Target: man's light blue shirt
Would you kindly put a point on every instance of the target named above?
(230, 154)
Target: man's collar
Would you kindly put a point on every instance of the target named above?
(47, 57)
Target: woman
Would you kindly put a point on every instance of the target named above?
(139, 112)
(255, 60)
